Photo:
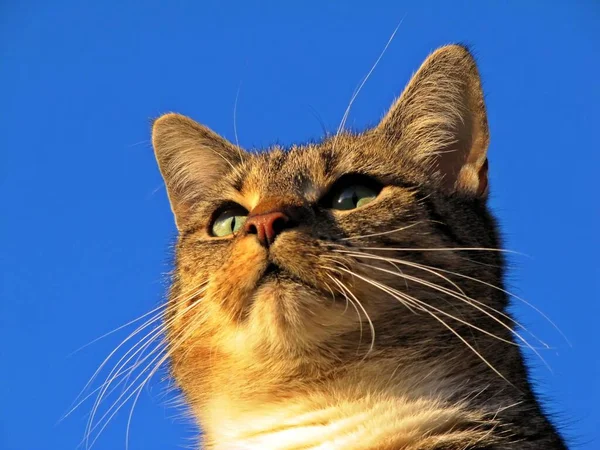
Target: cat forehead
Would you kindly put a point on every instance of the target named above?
(299, 170)
(303, 169)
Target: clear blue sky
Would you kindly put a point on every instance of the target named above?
(86, 226)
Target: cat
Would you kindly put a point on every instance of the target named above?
(348, 294)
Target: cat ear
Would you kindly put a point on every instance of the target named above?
(440, 121)
(191, 158)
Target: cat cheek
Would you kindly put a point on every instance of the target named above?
(232, 286)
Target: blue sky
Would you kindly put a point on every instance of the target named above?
(86, 229)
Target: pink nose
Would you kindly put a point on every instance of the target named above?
(267, 226)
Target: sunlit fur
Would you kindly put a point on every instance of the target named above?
(386, 327)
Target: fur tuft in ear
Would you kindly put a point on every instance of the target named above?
(190, 158)
(440, 120)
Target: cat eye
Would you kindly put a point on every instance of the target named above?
(229, 221)
(353, 192)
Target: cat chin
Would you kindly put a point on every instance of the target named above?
(286, 314)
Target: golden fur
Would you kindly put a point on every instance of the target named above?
(334, 353)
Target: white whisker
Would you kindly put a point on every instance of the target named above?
(371, 326)
(138, 350)
(235, 131)
(365, 79)
(118, 368)
(382, 233)
(419, 265)
(467, 300)
(481, 357)
(116, 329)
(441, 249)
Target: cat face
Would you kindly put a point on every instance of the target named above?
(331, 250)
(297, 288)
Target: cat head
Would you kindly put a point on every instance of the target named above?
(317, 249)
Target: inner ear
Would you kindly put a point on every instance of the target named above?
(192, 160)
(440, 121)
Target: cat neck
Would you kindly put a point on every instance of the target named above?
(360, 409)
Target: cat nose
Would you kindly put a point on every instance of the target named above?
(267, 226)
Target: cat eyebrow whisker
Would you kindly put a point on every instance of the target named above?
(235, 131)
(363, 82)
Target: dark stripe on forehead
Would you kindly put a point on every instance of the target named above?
(276, 160)
(238, 181)
(330, 160)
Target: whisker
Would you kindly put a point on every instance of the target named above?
(235, 131)
(116, 405)
(371, 326)
(143, 344)
(491, 286)
(153, 319)
(365, 79)
(151, 336)
(382, 233)
(442, 249)
(99, 369)
(135, 400)
(407, 263)
(121, 371)
(479, 355)
(319, 119)
(464, 322)
(429, 269)
(434, 270)
(116, 329)
(384, 287)
(343, 289)
(337, 260)
(465, 299)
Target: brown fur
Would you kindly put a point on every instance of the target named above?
(291, 361)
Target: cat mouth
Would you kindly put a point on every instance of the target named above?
(276, 273)
(273, 271)
(281, 275)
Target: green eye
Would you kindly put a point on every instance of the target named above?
(353, 196)
(228, 222)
